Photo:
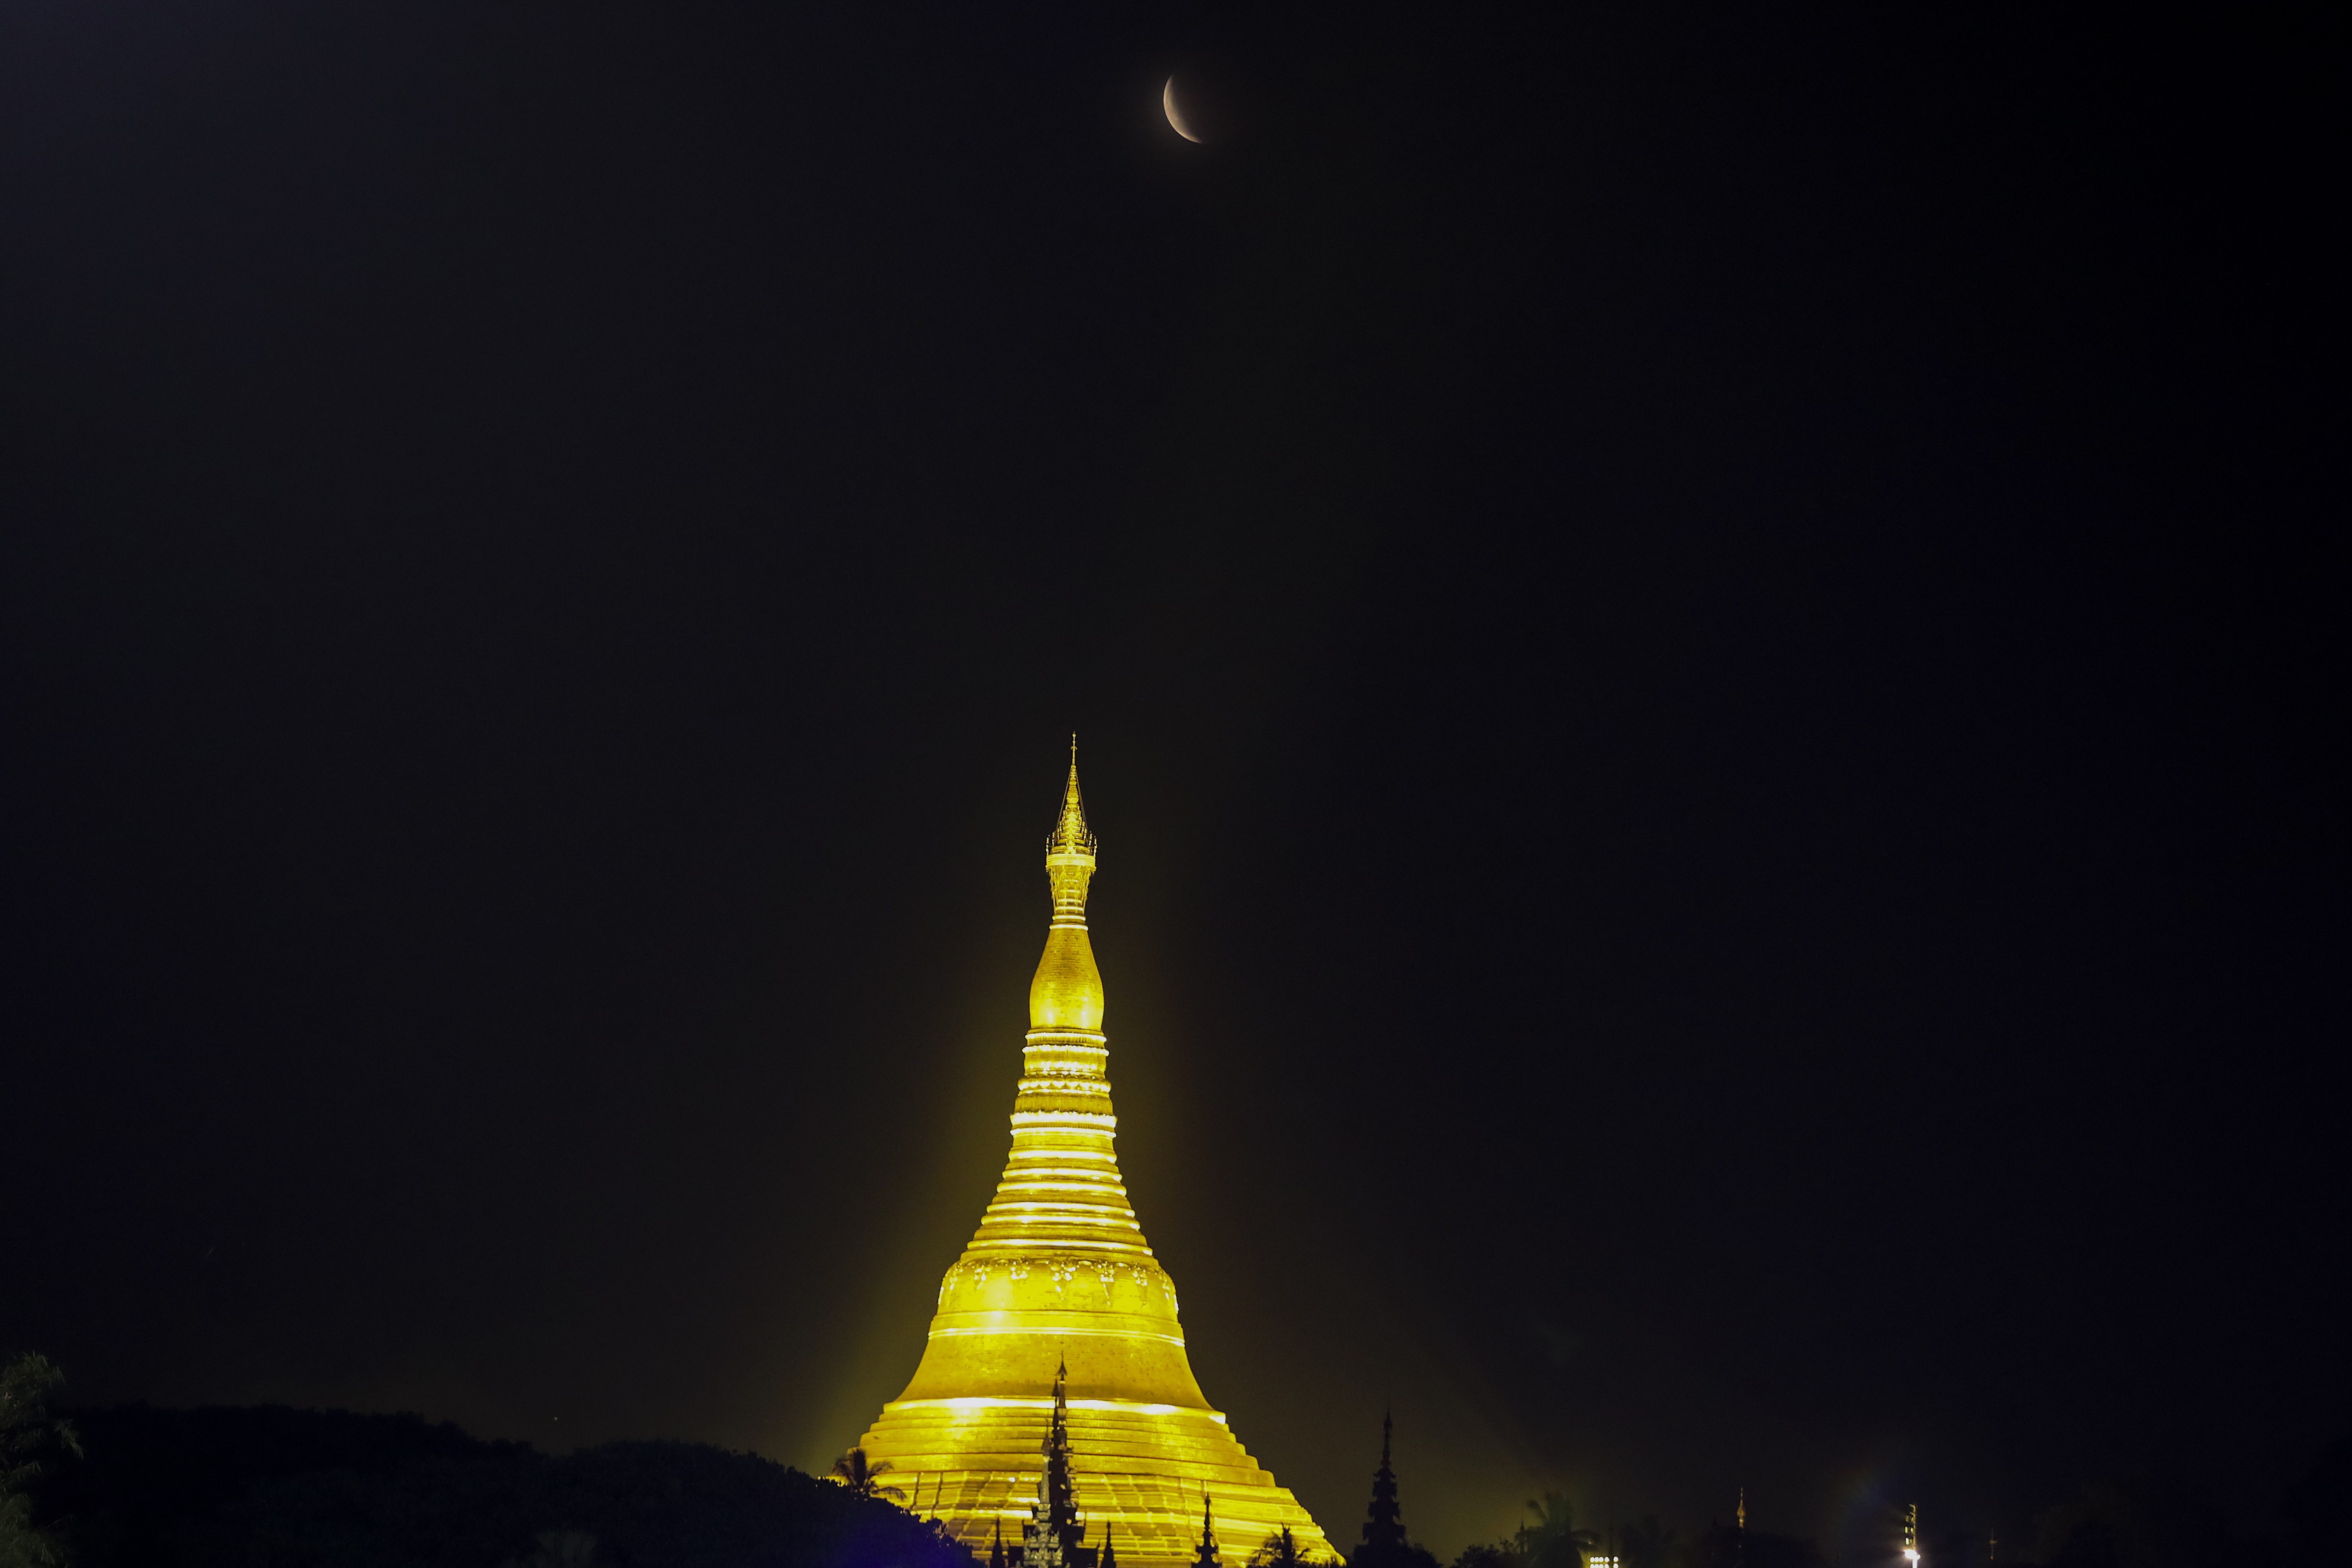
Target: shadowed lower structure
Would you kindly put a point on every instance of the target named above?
(1059, 1271)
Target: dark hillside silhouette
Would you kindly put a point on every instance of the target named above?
(324, 1490)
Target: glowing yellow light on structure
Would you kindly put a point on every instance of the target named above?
(1058, 1269)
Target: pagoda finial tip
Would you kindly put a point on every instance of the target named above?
(1071, 836)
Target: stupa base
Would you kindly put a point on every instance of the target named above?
(1141, 1470)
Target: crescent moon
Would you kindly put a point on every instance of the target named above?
(1175, 115)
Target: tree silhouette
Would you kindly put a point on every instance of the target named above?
(2317, 1506)
(29, 1434)
(563, 1549)
(2148, 1521)
(1649, 1545)
(1480, 1555)
(1723, 1546)
(863, 1479)
(1279, 1551)
(1553, 1540)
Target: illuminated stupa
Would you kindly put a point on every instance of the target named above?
(1059, 1271)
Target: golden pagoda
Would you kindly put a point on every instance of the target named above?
(1057, 1274)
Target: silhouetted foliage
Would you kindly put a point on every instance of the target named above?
(853, 1473)
(1405, 1555)
(1722, 1546)
(1279, 1550)
(1648, 1544)
(2145, 1524)
(1553, 1540)
(563, 1549)
(2317, 1507)
(32, 1438)
(273, 1488)
(1481, 1555)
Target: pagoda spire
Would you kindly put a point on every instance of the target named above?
(1067, 991)
(1206, 1556)
(1057, 1437)
(1053, 1537)
(1071, 836)
(1384, 1520)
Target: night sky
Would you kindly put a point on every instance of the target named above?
(1704, 645)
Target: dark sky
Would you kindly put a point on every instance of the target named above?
(1702, 637)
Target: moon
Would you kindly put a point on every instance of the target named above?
(1175, 115)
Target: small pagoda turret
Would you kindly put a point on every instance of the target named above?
(1055, 1536)
(1384, 1520)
